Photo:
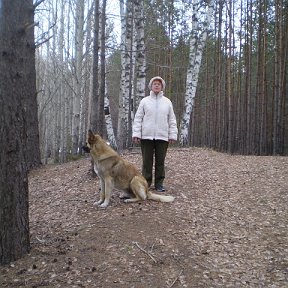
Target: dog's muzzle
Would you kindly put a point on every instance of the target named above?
(86, 149)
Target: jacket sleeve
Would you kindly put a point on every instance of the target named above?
(173, 130)
(137, 123)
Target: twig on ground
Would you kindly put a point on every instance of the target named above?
(176, 279)
(143, 250)
(42, 241)
(152, 247)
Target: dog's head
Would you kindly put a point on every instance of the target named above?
(98, 146)
(93, 139)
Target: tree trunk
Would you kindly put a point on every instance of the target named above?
(31, 108)
(124, 104)
(55, 118)
(140, 54)
(16, 50)
(248, 89)
(279, 81)
(230, 90)
(79, 41)
(63, 102)
(195, 57)
(102, 128)
(108, 121)
(94, 97)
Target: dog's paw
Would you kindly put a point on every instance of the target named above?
(104, 205)
(97, 203)
(131, 200)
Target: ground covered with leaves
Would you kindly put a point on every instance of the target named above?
(226, 228)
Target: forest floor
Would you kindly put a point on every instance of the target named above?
(228, 227)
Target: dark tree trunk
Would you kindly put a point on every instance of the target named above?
(17, 85)
(101, 117)
(94, 102)
(29, 92)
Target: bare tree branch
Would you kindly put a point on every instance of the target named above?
(42, 42)
(37, 3)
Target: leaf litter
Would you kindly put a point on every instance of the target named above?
(226, 228)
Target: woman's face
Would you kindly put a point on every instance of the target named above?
(156, 86)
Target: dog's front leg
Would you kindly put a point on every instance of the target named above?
(108, 190)
(102, 192)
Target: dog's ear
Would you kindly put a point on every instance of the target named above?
(90, 133)
(91, 137)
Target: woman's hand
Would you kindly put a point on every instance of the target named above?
(136, 140)
(171, 141)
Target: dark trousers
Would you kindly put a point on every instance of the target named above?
(149, 148)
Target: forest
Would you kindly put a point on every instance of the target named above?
(225, 64)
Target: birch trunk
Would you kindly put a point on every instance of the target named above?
(108, 121)
(140, 53)
(195, 56)
(126, 40)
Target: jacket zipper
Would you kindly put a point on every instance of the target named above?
(156, 110)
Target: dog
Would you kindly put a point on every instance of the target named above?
(114, 171)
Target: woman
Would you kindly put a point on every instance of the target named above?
(155, 127)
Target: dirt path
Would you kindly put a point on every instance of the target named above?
(226, 228)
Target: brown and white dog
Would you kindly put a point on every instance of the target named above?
(114, 171)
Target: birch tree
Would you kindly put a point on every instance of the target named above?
(104, 112)
(125, 81)
(133, 68)
(140, 53)
(108, 121)
(197, 43)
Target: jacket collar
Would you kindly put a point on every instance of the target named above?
(152, 94)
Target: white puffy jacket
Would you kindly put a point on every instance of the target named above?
(155, 118)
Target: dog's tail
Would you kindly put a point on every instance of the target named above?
(139, 184)
(160, 198)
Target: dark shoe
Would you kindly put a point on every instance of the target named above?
(160, 188)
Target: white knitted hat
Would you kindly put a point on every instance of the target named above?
(157, 78)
